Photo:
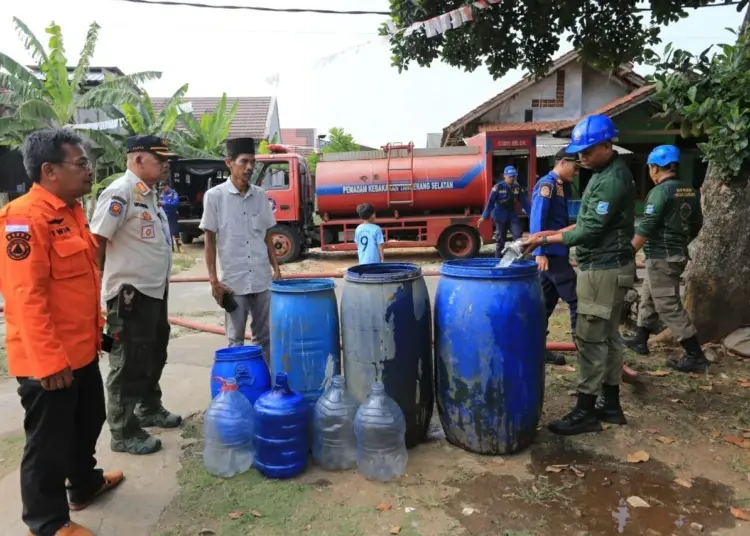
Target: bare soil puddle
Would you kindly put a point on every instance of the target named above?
(581, 493)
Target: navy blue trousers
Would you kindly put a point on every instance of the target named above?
(559, 282)
(501, 229)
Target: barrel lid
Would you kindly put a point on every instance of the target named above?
(239, 353)
(487, 269)
(302, 285)
(383, 272)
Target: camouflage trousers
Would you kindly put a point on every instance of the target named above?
(139, 326)
(601, 296)
(660, 298)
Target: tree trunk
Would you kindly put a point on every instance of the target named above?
(718, 281)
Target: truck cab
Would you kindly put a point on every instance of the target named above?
(284, 176)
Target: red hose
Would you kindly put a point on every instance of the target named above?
(318, 275)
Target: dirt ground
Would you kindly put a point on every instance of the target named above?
(690, 433)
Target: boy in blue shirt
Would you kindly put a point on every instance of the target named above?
(368, 236)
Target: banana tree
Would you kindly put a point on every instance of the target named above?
(141, 118)
(205, 137)
(54, 98)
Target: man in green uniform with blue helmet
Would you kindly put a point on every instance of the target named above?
(602, 236)
(671, 220)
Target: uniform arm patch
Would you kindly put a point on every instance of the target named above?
(115, 207)
(602, 208)
(545, 191)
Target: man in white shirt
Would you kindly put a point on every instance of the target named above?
(135, 251)
(237, 220)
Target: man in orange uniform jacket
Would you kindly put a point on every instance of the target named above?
(51, 287)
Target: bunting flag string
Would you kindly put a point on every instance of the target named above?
(442, 23)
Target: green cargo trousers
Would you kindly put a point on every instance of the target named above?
(660, 297)
(601, 295)
(139, 326)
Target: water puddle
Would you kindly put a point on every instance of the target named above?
(580, 493)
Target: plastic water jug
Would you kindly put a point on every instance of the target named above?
(228, 431)
(380, 429)
(334, 445)
(282, 431)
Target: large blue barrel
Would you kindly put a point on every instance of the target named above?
(305, 339)
(246, 365)
(386, 325)
(489, 354)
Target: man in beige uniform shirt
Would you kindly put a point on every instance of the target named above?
(136, 253)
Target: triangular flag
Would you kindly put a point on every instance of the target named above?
(481, 4)
(494, 1)
(445, 22)
(456, 20)
(430, 29)
(391, 27)
(466, 14)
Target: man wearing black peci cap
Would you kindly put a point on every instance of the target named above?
(237, 220)
(136, 258)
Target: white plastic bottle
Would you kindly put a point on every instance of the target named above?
(228, 432)
(334, 445)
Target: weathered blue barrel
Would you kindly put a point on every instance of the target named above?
(489, 354)
(386, 325)
(305, 337)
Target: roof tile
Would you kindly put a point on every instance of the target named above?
(251, 118)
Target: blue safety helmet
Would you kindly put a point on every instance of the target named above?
(663, 155)
(510, 171)
(590, 131)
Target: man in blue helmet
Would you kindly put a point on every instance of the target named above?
(549, 212)
(671, 220)
(602, 236)
(502, 205)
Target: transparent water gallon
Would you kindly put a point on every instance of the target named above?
(334, 444)
(228, 432)
(380, 429)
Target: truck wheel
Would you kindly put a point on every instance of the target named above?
(286, 243)
(459, 242)
(186, 238)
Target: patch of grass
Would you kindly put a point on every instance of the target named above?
(182, 262)
(11, 450)
(540, 491)
(738, 465)
(250, 504)
(3, 362)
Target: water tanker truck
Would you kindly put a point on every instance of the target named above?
(422, 197)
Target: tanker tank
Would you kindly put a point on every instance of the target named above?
(429, 181)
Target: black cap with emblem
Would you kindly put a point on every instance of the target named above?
(238, 146)
(562, 155)
(149, 144)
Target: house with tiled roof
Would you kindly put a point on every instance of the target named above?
(551, 106)
(257, 117)
(302, 141)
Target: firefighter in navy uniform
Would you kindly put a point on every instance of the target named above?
(502, 205)
(549, 212)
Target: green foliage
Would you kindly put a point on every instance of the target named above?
(140, 118)
(263, 147)
(205, 137)
(528, 34)
(54, 100)
(338, 142)
(711, 96)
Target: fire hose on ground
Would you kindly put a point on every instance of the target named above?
(629, 375)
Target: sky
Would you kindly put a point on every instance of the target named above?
(332, 70)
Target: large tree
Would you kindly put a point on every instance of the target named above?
(711, 93)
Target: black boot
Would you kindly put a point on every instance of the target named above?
(639, 343)
(608, 407)
(554, 358)
(694, 359)
(581, 420)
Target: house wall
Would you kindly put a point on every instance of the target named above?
(598, 90)
(586, 89)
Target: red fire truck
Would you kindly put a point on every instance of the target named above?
(422, 197)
